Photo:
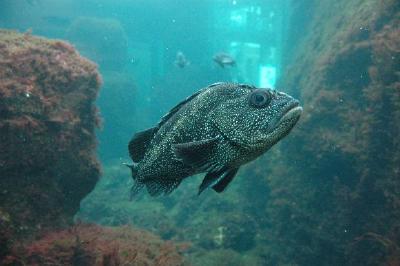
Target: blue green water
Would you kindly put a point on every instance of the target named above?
(135, 44)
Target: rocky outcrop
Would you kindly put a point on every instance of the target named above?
(47, 140)
(95, 245)
(335, 185)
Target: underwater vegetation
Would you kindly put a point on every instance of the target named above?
(47, 122)
(224, 229)
(340, 204)
(84, 244)
(48, 162)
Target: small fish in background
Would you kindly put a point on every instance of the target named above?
(181, 60)
(216, 130)
(224, 59)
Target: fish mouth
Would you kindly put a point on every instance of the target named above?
(291, 112)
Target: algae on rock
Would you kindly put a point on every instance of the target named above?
(47, 123)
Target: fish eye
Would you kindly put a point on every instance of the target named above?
(260, 98)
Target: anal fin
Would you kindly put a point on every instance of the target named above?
(161, 186)
(218, 180)
(137, 185)
(211, 179)
(225, 180)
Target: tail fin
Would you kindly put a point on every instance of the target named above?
(137, 186)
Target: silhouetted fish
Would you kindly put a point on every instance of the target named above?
(216, 130)
(181, 60)
(223, 59)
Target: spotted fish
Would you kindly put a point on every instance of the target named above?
(214, 131)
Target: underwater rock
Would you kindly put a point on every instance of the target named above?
(47, 124)
(224, 257)
(344, 185)
(5, 234)
(95, 245)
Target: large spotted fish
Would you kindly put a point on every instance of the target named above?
(216, 130)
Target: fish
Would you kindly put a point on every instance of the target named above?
(214, 131)
(181, 60)
(224, 59)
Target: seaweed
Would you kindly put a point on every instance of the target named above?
(339, 205)
(88, 244)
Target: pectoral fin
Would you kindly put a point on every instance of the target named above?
(197, 154)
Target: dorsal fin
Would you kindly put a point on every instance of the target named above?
(177, 107)
(139, 143)
(141, 140)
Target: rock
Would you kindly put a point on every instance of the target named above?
(336, 178)
(47, 123)
(85, 244)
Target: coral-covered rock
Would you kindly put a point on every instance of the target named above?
(94, 245)
(47, 123)
(335, 188)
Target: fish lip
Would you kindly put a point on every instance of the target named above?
(292, 110)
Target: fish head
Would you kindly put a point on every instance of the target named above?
(216, 58)
(256, 118)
